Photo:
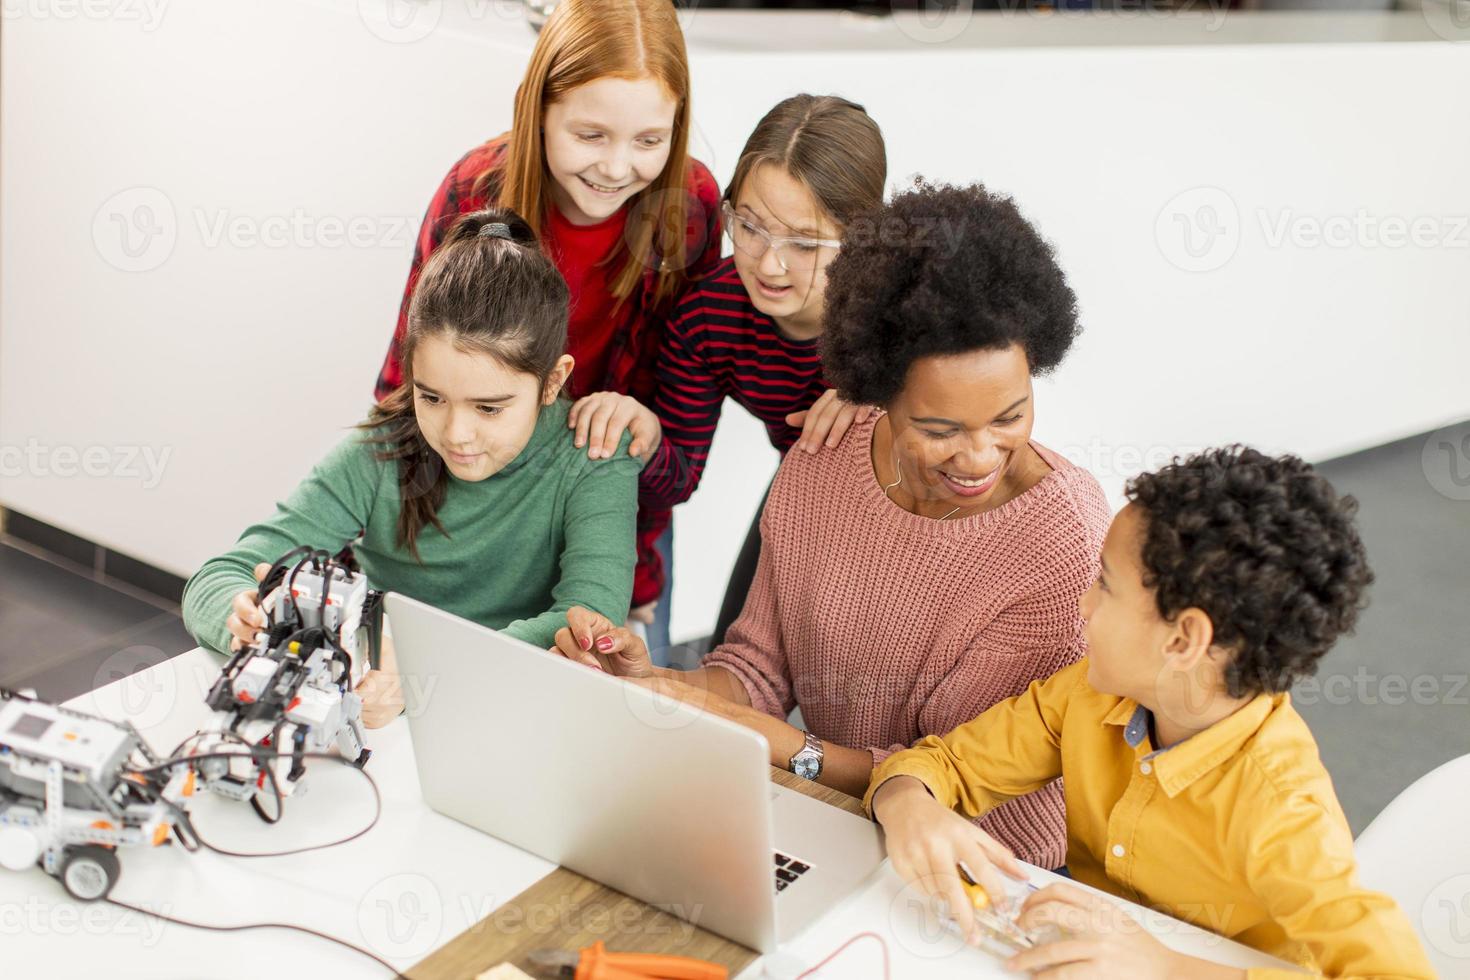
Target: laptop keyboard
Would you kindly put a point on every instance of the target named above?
(788, 871)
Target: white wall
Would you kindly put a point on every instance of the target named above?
(239, 359)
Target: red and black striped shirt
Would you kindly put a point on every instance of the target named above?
(715, 345)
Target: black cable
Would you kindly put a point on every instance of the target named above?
(331, 634)
(253, 756)
(267, 771)
(290, 595)
(278, 567)
(260, 925)
(254, 752)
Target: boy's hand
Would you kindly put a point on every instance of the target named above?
(1100, 939)
(927, 842)
(827, 421)
(600, 419)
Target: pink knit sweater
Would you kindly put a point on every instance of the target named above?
(885, 626)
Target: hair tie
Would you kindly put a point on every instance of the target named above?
(496, 229)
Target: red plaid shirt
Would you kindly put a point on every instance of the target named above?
(635, 338)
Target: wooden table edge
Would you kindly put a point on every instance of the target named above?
(567, 911)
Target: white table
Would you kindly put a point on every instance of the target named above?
(411, 884)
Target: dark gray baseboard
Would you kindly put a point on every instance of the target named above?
(89, 554)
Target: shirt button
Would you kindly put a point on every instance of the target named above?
(1145, 768)
(1117, 850)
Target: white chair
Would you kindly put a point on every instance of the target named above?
(1418, 851)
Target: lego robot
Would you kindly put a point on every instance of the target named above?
(75, 787)
(293, 690)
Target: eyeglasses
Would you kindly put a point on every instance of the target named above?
(794, 254)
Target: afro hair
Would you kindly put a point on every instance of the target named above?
(940, 270)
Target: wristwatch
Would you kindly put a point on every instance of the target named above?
(807, 763)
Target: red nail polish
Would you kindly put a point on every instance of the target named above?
(605, 644)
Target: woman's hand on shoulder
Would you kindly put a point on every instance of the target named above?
(827, 421)
(600, 419)
(589, 638)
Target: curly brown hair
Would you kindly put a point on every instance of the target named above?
(1265, 547)
(940, 270)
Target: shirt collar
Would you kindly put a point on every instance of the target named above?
(1179, 765)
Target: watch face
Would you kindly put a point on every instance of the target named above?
(806, 768)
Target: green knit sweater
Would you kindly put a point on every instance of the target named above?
(551, 530)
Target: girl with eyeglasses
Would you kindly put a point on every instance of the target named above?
(749, 330)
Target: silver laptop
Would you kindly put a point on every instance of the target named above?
(668, 804)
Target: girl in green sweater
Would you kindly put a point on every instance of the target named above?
(463, 488)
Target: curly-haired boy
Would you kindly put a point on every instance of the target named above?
(1191, 783)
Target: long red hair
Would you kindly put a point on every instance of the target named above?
(582, 41)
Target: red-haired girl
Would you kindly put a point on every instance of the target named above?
(597, 163)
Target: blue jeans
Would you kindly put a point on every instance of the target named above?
(658, 630)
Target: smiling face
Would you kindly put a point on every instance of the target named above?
(771, 199)
(473, 410)
(961, 429)
(606, 141)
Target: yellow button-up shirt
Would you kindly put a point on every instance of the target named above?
(1235, 829)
